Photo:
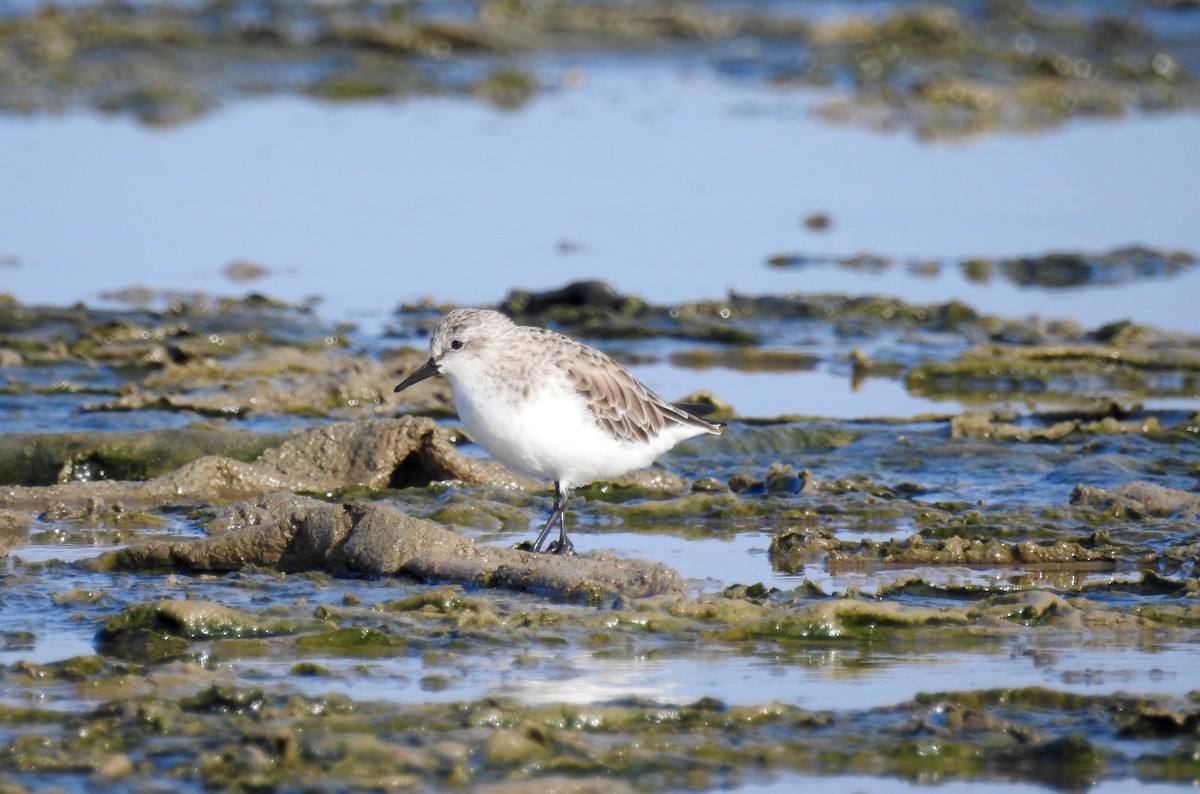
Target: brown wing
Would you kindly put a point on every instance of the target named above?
(621, 404)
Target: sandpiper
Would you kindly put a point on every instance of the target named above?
(551, 408)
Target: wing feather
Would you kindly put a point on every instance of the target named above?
(621, 405)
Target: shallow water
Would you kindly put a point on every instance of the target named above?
(450, 199)
(831, 676)
(861, 784)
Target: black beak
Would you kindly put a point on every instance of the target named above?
(427, 370)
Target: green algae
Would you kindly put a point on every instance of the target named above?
(746, 359)
(220, 700)
(439, 602)
(353, 641)
(247, 373)
(481, 514)
(1035, 428)
(309, 669)
(826, 620)
(702, 514)
(167, 620)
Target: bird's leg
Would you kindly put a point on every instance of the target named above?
(564, 545)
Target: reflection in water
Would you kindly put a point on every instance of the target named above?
(836, 675)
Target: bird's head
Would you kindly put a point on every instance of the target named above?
(457, 342)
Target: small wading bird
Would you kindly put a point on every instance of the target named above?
(550, 408)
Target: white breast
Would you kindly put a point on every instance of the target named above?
(549, 433)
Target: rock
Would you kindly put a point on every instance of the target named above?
(982, 425)
(509, 747)
(14, 529)
(113, 767)
(49, 458)
(385, 541)
(842, 618)
(191, 619)
(379, 453)
(275, 380)
(383, 453)
(1061, 269)
(297, 533)
(1138, 499)
(559, 784)
(592, 294)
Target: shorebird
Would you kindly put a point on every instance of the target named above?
(551, 408)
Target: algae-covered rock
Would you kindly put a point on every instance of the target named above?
(1139, 500)
(274, 380)
(1071, 373)
(381, 453)
(192, 620)
(14, 529)
(509, 747)
(296, 533)
(351, 640)
(1029, 608)
(973, 551)
(984, 425)
(793, 549)
(561, 784)
(232, 736)
(1073, 269)
(936, 71)
(592, 294)
(842, 618)
(48, 458)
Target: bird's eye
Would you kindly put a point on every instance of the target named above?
(456, 344)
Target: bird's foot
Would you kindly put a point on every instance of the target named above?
(563, 546)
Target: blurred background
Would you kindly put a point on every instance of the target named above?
(361, 155)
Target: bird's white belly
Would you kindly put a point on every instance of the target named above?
(550, 435)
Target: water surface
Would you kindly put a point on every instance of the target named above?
(673, 184)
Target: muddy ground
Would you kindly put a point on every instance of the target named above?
(293, 541)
